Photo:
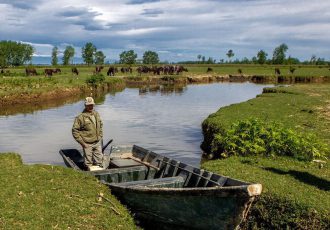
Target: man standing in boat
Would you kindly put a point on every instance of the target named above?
(87, 131)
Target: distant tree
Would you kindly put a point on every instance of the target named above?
(15, 53)
(292, 61)
(150, 57)
(128, 57)
(54, 56)
(245, 60)
(88, 53)
(210, 60)
(99, 57)
(254, 60)
(313, 60)
(199, 56)
(3, 59)
(262, 57)
(279, 54)
(68, 55)
(230, 54)
(320, 61)
(203, 59)
(221, 60)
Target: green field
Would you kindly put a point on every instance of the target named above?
(54, 197)
(15, 82)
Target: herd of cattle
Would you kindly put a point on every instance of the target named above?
(167, 69)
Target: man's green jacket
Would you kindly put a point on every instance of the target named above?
(84, 130)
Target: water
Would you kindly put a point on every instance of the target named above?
(165, 120)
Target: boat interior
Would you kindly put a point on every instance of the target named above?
(138, 167)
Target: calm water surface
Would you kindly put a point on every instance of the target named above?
(162, 120)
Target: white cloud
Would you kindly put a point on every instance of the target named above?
(188, 27)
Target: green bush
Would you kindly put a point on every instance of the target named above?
(254, 137)
(95, 79)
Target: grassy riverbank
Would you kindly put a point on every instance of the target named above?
(17, 88)
(53, 197)
(296, 193)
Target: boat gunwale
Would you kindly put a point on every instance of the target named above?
(251, 189)
(242, 189)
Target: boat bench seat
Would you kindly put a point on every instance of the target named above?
(120, 163)
(166, 182)
(119, 175)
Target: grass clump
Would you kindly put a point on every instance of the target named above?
(54, 197)
(255, 137)
(95, 79)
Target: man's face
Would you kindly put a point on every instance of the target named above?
(89, 108)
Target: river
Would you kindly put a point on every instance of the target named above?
(166, 120)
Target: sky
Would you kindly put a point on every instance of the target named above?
(176, 29)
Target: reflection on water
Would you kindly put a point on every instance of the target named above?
(164, 119)
(30, 108)
(163, 89)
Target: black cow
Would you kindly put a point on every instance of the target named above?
(209, 69)
(112, 70)
(74, 70)
(277, 71)
(292, 69)
(143, 69)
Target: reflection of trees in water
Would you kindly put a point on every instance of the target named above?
(163, 89)
(99, 96)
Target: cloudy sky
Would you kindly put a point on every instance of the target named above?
(175, 29)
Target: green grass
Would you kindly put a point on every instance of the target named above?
(304, 108)
(295, 194)
(54, 197)
(21, 84)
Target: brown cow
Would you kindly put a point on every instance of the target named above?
(74, 70)
(49, 72)
(179, 69)
(31, 71)
(57, 70)
(98, 69)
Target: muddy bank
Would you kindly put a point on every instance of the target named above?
(29, 102)
(61, 94)
(208, 78)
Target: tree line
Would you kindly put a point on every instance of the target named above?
(14, 53)
(91, 55)
(278, 58)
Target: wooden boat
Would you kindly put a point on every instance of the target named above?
(165, 193)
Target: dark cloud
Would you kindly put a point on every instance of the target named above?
(77, 11)
(152, 12)
(82, 16)
(21, 4)
(141, 1)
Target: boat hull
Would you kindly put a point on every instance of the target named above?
(185, 208)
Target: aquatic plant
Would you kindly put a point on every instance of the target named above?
(256, 137)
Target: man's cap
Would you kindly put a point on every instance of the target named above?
(89, 101)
